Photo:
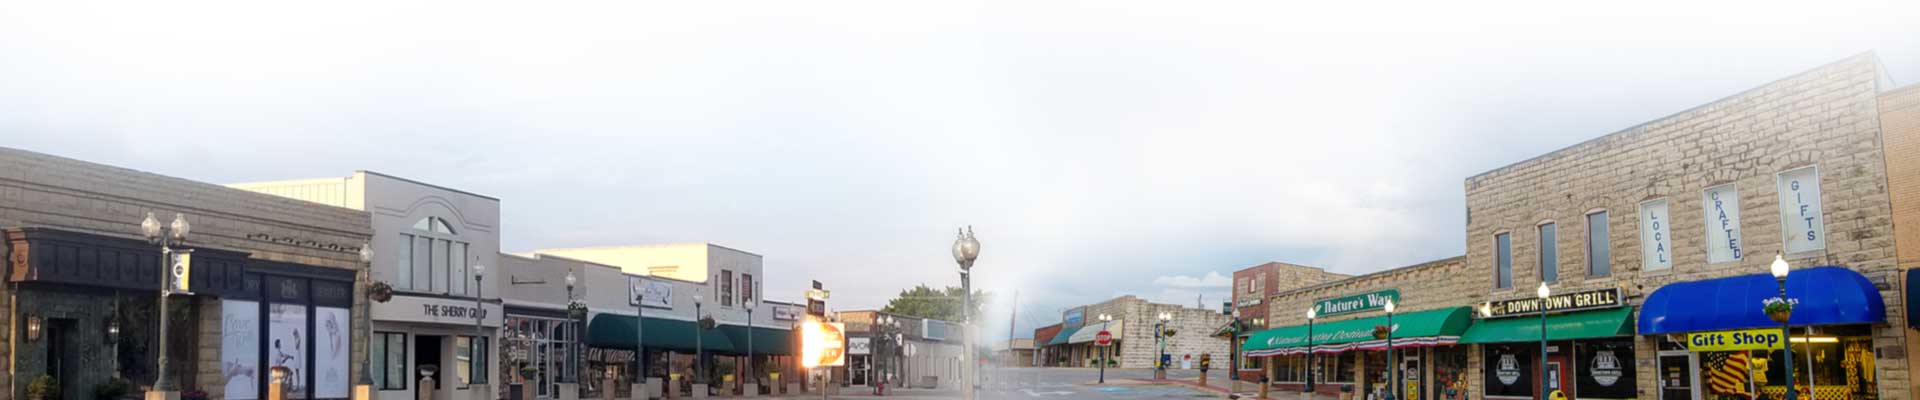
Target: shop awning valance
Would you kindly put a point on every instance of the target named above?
(1413, 329)
(1086, 334)
(616, 332)
(765, 340)
(1567, 326)
(1827, 296)
(1067, 333)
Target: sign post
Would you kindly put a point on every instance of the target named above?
(1103, 339)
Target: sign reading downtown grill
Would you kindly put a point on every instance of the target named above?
(1356, 303)
(1590, 299)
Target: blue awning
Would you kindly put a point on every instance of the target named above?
(1827, 295)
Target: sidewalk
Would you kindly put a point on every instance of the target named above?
(1249, 390)
(900, 394)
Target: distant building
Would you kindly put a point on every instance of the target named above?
(1013, 353)
(915, 352)
(1253, 285)
(1133, 326)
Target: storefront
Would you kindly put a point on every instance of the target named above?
(1083, 339)
(671, 345)
(1589, 347)
(539, 347)
(1353, 353)
(1716, 342)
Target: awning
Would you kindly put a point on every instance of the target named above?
(1061, 338)
(1827, 295)
(1087, 333)
(1413, 329)
(1913, 295)
(765, 340)
(1574, 325)
(616, 332)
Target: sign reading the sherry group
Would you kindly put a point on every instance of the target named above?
(1356, 303)
(1590, 299)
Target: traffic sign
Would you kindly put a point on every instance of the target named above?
(1103, 338)
(823, 344)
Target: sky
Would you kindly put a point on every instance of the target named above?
(1097, 148)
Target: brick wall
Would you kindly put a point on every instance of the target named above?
(49, 191)
(1900, 126)
(1824, 117)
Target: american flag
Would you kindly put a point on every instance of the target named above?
(1727, 373)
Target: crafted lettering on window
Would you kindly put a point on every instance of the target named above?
(1722, 210)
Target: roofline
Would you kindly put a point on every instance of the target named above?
(1428, 264)
(1322, 269)
(371, 172)
(622, 246)
(1869, 54)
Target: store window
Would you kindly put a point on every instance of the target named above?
(390, 359)
(1450, 370)
(1549, 253)
(1502, 261)
(470, 359)
(1605, 369)
(1599, 246)
(1509, 369)
(1834, 362)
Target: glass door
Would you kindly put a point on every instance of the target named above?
(1677, 376)
(1411, 381)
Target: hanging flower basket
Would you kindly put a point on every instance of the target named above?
(577, 309)
(380, 292)
(1380, 331)
(1779, 311)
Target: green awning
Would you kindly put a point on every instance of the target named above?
(616, 332)
(1413, 329)
(1061, 338)
(765, 340)
(1573, 325)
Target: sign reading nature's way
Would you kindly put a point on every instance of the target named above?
(1356, 303)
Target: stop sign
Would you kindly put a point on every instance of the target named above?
(1103, 338)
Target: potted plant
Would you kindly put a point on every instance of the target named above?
(380, 292)
(43, 388)
(112, 389)
(1380, 331)
(577, 308)
(195, 394)
(529, 372)
(1779, 310)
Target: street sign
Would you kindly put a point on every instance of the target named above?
(816, 308)
(1103, 338)
(823, 344)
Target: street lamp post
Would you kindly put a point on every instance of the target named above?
(1311, 367)
(1544, 292)
(699, 345)
(1780, 270)
(479, 315)
(1233, 351)
(639, 337)
(965, 250)
(1103, 349)
(366, 323)
(756, 388)
(573, 324)
(1160, 343)
(1393, 385)
(166, 237)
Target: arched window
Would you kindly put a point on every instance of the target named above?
(433, 259)
(435, 225)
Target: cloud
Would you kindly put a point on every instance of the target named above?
(1211, 280)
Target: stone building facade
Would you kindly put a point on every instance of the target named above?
(1900, 126)
(65, 214)
(1251, 288)
(1432, 285)
(1134, 345)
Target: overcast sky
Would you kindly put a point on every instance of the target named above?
(1098, 149)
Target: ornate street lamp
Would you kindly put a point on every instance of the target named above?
(166, 237)
(573, 324)
(1311, 367)
(1393, 385)
(965, 250)
(1780, 270)
(1104, 318)
(366, 322)
(1160, 341)
(749, 304)
(479, 315)
(1544, 292)
(699, 345)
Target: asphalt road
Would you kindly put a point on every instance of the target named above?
(1053, 383)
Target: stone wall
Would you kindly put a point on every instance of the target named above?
(48, 191)
(1192, 329)
(1825, 117)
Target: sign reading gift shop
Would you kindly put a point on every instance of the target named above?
(1746, 339)
(1356, 303)
(437, 310)
(1591, 299)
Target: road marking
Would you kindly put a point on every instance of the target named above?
(1032, 393)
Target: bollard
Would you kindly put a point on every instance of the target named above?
(1264, 386)
(426, 387)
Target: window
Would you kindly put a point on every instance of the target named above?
(404, 279)
(1599, 246)
(726, 288)
(1721, 207)
(1502, 261)
(746, 288)
(390, 359)
(470, 359)
(1802, 224)
(457, 265)
(1244, 285)
(433, 264)
(1549, 253)
(1259, 282)
(1654, 236)
(435, 225)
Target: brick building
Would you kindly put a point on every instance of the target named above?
(1649, 237)
(1253, 285)
(1132, 325)
(81, 298)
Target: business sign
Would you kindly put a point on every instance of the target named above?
(1074, 316)
(1250, 301)
(1801, 221)
(1656, 241)
(822, 344)
(180, 270)
(860, 345)
(784, 313)
(649, 292)
(1722, 207)
(1356, 303)
(1591, 299)
(436, 310)
(1748, 339)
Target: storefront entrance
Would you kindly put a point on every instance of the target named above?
(1411, 380)
(426, 353)
(1677, 375)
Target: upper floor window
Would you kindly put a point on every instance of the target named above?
(1721, 205)
(726, 288)
(1599, 246)
(1549, 253)
(1802, 223)
(746, 288)
(1259, 283)
(432, 260)
(1502, 261)
(434, 224)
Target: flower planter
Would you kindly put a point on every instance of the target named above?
(1780, 316)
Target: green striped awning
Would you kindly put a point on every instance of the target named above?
(1412, 329)
(616, 332)
(1567, 326)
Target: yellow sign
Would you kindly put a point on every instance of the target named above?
(1750, 339)
(822, 344)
